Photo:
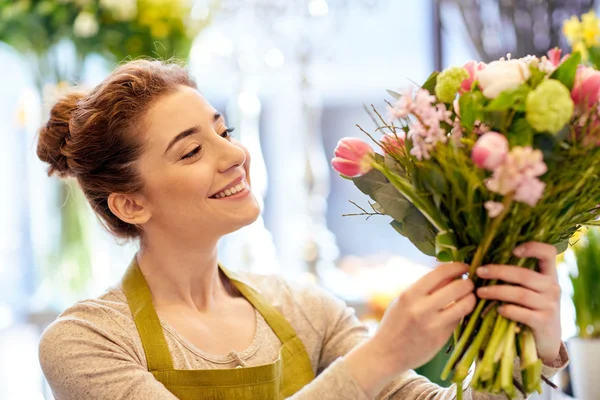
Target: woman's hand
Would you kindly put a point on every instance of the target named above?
(414, 328)
(533, 298)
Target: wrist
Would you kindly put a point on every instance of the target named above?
(371, 366)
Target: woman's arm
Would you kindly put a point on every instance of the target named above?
(80, 360)
(364, 376)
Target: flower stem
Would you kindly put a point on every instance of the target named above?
(462, 368)
(489, 235)
(487, 363)
(508, 360)
(462, 342)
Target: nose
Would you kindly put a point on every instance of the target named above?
(231, 155)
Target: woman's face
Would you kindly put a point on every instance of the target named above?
(196, 177)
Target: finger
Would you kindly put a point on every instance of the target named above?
(454, 313)
(545, 253)
(525, 316)
(442, 273)
(453, 291)
(514, 294)
(511, 274)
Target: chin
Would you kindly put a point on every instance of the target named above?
(241, 220)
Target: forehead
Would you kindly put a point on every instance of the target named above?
(176, 112)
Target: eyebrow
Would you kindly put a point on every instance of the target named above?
(188, 132)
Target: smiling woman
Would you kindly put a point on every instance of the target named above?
(157, 163)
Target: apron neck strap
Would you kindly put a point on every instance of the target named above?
(280, 326)
(150, 329)
(146, 320)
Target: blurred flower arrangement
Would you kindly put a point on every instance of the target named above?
(116, 30)
(478, 160)
(583, 35)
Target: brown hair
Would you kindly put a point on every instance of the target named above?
(96, 138)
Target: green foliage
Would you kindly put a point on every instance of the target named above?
(565, 73)
(510, 99)
(586, 284)
(118, 30)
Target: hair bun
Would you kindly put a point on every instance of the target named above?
(53, 139)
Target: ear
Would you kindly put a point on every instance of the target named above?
(129, 208)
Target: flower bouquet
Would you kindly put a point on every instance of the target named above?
(478, 160)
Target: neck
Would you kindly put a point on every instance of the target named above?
(180, 273)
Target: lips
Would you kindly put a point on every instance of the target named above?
(231, 185)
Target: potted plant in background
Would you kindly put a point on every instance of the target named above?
(585, 347)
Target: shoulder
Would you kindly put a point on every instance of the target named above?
(301, 301)
(103, 324)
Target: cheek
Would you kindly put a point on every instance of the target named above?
(179, 184)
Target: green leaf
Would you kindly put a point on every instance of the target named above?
(514, 99)
(419, 231)
(395, 95)
(370, 182)
(465, 252)
(471, 109)
(430, 83)
(537, 77)
(394, 204)
(445, 246)
(561, 246)
(520, 133)
(566, 71)
(594, 56)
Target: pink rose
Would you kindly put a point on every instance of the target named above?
(472, 67)
(392, 144)
(586, 89)
(490, 150)
(353, 157)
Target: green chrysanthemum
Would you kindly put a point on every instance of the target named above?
(549, 107)
(448, 83)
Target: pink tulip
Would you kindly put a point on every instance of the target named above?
(353, 157)
(472, 67)
(586, 89)
(490, 150)
(392, 144)
(554, 56)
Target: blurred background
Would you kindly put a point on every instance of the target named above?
(292, 76)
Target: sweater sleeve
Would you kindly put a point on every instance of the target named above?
(341, 332)
(82, 360)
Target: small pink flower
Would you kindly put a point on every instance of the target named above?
(494, 208)
(554, 56)
(472, 68)
(490, 150)
(392, 144)
(519, 174)
(530, 191)
(586, 89)
(353, 157)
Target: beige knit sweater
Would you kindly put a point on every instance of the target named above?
(93, 351)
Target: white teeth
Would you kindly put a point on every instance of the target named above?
(231, 191)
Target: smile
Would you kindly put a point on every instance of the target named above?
(238, 190)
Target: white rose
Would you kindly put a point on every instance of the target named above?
(500, 76)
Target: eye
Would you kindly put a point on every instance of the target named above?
(192, 153)
(227, 133)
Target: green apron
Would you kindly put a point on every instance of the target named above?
(276, 381)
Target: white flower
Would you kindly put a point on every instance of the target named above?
(85, 25)
(122, 10)
(500, 76)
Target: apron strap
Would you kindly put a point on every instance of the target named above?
(280, 326)
(146, 320)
